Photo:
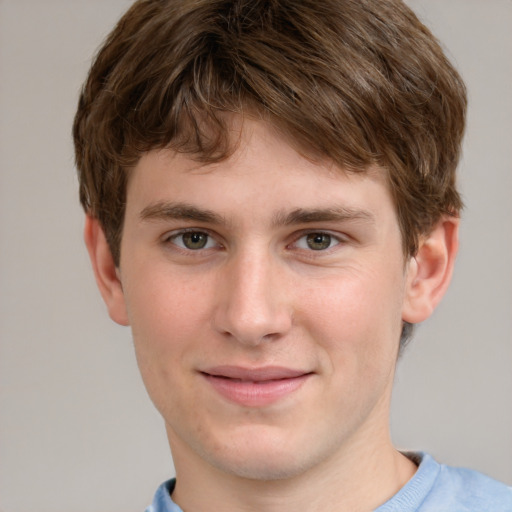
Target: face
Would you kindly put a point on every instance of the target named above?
(265, 294)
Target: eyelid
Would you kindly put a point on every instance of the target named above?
(177, 232)
(338, 237)
(170, 236)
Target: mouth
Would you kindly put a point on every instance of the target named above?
(255, 387)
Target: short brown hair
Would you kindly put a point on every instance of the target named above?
(360, 82)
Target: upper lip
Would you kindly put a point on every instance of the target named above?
(262, 373)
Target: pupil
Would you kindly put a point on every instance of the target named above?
(319, 241)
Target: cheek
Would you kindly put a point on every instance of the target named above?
(167, 315)
(165, 307)
(356, 318)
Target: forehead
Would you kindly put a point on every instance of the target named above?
(265, 171)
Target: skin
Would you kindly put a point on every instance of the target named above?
(302, 268)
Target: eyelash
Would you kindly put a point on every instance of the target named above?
(337, 239)
(334, 241)
(172, 237)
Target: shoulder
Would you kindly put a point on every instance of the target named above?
(439, 488)
(162, 501)
(469, 491)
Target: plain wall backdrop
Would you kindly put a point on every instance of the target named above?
(77, 431)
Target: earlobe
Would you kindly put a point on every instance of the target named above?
(105, 270)
(430, 270)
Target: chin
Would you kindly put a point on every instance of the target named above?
(263, 468)
(264, 461)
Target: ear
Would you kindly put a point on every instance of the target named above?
(105, 270)
(430, 270)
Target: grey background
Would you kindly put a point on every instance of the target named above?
(77, 431)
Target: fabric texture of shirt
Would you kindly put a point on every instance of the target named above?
(434, 488)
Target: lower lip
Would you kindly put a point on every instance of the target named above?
(255, 394)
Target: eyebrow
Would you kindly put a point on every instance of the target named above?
(334, 214)
(185, 211)
(180, 211)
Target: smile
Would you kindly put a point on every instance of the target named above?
(255, 387)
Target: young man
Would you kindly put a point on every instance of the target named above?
(271, 205)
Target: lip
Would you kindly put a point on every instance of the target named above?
(255, 387)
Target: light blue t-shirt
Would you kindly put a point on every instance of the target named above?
(434, 488)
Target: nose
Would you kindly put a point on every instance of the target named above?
(252, 304)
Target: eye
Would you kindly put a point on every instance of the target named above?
(317, 241)
(193, 240)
